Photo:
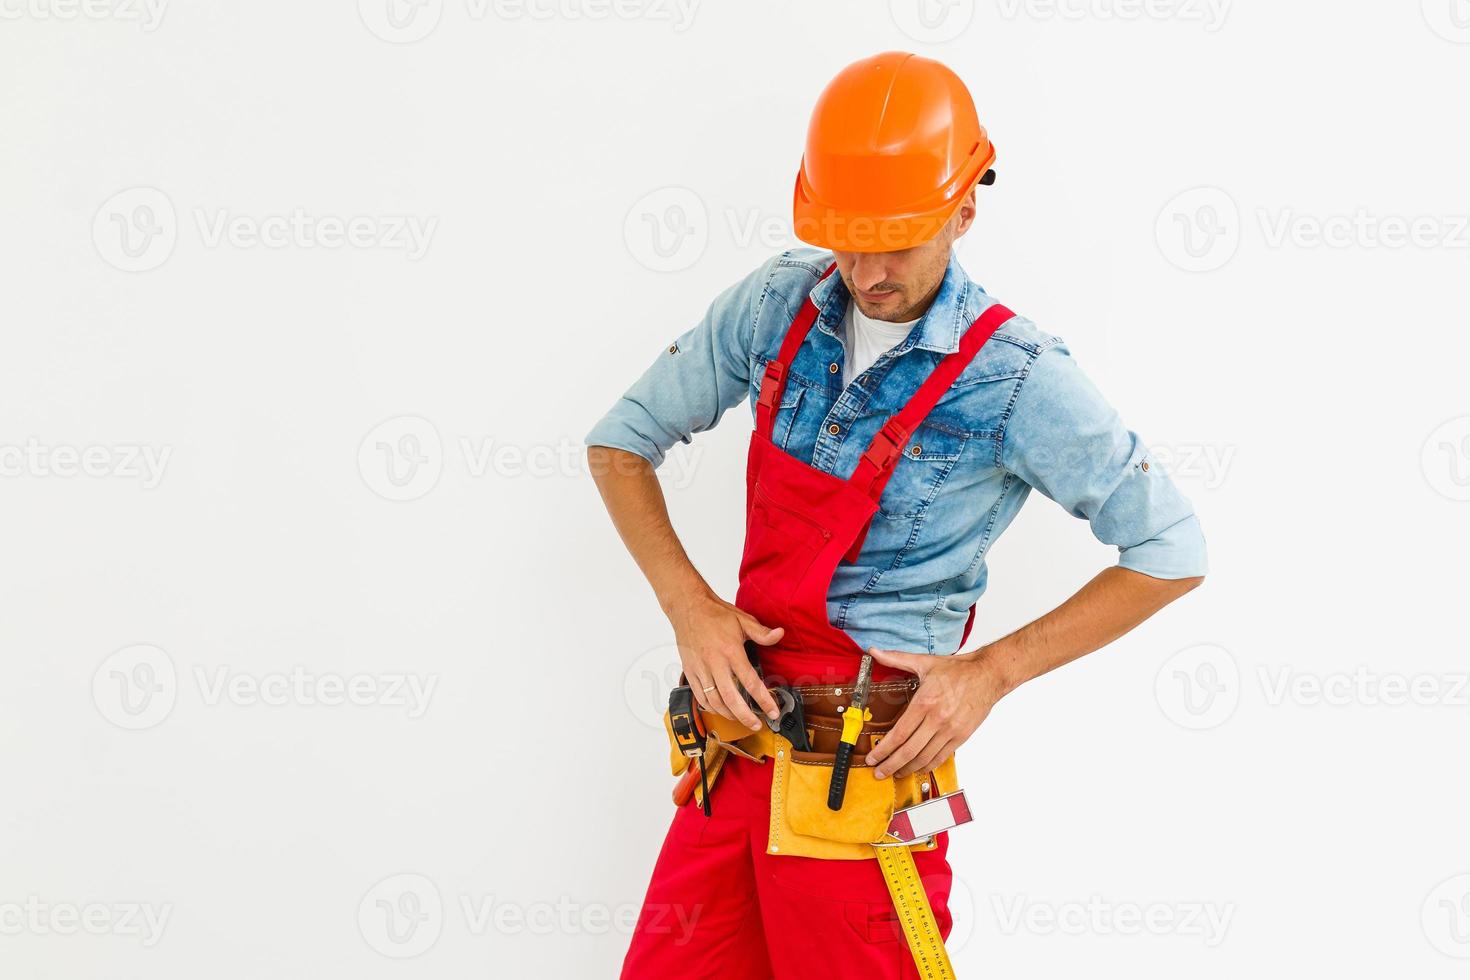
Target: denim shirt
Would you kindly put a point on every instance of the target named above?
(1022, 416)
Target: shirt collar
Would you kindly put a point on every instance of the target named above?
(940, 328)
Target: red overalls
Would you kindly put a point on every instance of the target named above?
(720, 906)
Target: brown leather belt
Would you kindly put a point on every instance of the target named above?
(819, 703)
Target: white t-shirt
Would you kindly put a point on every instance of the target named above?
(868, 339)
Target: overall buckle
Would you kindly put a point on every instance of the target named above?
(771, 384)
(887, 446)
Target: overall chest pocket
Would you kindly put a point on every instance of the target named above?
(781, 545)
(927, 461)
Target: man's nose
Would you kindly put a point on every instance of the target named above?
(869, 270)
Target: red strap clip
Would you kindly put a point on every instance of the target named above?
(887, 446)
(771, 384)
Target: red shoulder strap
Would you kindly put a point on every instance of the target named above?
(773, 383)
(879, 459)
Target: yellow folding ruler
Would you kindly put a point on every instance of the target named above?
(914, 913)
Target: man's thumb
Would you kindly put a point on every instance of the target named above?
(914, 663)
(764, 635)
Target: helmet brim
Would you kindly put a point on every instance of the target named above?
(827, 225)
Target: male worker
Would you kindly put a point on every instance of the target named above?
(902, 417)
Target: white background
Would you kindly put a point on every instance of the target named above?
(366, 473)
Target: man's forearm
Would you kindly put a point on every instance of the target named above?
(1110, 605)
(635, 501)
(711, 633)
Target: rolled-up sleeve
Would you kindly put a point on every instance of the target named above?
(694, 381)
(1064, 439)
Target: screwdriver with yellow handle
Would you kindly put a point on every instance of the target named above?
(853, 718)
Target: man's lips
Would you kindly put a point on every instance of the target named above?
(877, 297)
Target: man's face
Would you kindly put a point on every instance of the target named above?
(899, 286)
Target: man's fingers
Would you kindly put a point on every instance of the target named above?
(939, 758)
(922, 753)
(707, 699)
(931, 756)
(907, 724)
(905, 753)
(737, 708)
(945, 754)
(752, 683)
(913, 663)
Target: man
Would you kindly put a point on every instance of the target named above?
(902, 418)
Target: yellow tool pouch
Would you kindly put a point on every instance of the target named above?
(803, 826)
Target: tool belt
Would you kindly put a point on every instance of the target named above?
(802, 825)
(872, 823)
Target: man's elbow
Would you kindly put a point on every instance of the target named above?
(1164, 587)
(603, 461)
(1189, 584)
(1174, 588)
(600, 461)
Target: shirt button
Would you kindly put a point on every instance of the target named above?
(916, 450)
(833, 368)
(834, 429)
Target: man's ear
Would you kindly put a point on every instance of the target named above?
(964, 216)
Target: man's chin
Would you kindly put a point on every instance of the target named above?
(893, 311)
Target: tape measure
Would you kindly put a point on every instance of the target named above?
(690, 735)
(914, 914)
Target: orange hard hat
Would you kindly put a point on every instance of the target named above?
(894, 145)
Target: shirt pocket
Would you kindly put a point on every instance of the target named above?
(785, 419)
(927, 461)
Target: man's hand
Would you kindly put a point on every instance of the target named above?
(711, 635)
(957, 692)
(955, 695)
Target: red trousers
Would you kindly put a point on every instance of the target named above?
(720, 908)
